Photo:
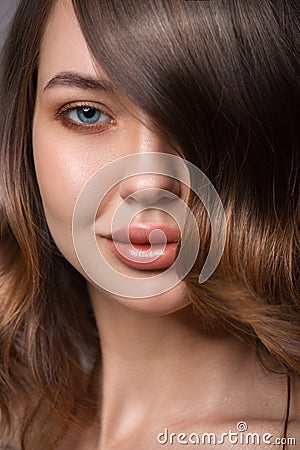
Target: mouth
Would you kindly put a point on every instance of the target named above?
(149, 246)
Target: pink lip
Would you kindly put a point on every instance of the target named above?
(139, 233)
(137, 252)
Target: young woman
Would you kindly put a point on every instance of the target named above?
(92, 94)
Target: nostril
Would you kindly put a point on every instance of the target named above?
(151, 196)
(149, 188)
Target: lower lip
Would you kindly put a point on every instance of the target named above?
(135, 255)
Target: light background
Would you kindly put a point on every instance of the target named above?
(7, 9)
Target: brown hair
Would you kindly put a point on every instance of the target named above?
(221, 80)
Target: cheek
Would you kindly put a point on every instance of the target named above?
(64, 162)
(57, 181)
(61, 172)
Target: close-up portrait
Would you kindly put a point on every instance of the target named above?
(149, 224)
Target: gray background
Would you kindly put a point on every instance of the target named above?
(7, 9)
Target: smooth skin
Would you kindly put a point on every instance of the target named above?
(159, 370)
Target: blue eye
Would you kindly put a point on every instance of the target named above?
(88, 115)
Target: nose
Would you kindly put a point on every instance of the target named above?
(149, 185)
(149, 188)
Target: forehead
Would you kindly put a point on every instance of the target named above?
(63, 46)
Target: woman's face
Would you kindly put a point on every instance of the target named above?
(80, 125)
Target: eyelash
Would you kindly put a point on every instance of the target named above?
(61, 115)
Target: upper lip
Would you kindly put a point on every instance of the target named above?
(138, 233)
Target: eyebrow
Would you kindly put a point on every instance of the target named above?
(77, 80)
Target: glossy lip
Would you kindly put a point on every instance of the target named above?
(138, 252)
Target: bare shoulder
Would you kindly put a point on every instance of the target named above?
(294, 416)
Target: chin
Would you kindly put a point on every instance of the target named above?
(159, 305)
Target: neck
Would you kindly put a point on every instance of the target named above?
(156, 367)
